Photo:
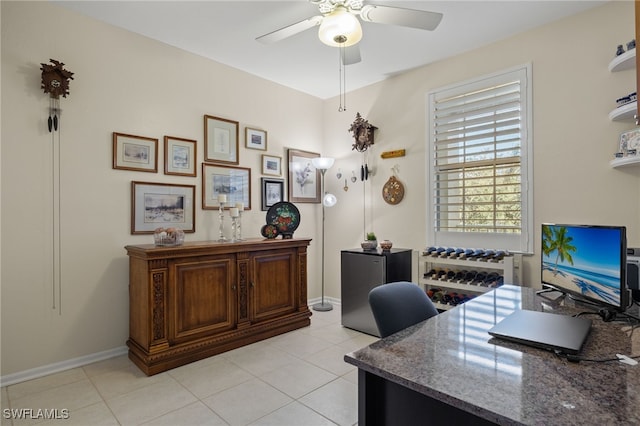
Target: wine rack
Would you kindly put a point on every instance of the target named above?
(453, 276)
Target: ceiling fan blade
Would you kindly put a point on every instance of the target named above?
(420, 19)
(351, 55)
(290, 30)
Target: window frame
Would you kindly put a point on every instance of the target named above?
(517, 243)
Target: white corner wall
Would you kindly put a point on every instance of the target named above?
(573, 139)
(126, 83)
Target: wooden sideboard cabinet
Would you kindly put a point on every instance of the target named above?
(196, 300)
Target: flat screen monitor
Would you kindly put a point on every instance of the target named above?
(586, 262)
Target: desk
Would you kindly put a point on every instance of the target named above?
(449, 370)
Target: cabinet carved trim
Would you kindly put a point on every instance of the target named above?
(242, 295)
(158, 305)
(302, 262)
(203, 298)
(158, 264)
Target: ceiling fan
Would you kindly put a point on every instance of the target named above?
(339, 25)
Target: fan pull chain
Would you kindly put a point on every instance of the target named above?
(342, 78)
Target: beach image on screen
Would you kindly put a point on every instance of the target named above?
(583, 260)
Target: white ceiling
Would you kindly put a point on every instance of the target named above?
(225, 31)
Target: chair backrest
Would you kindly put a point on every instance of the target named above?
(398, 305)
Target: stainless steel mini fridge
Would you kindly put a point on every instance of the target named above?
(362, 270)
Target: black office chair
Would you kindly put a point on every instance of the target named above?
(398, 305)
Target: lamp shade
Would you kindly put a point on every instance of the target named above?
(329, 200)
(322, 163)
(340, 28)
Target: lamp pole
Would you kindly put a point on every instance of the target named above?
(323, 306)
(323, 164)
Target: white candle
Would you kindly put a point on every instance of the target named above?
(222, 198)
(240, 206)
(233, 211)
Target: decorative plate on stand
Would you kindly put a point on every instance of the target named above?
(285, 216)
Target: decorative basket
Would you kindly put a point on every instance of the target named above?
(168, 237)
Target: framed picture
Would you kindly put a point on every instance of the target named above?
(179, 156)
(255, 139)
(272, 192)
(304, 179)
(630, 143)
(271, 165)
(220, 140)
(161, 205)
(233, 184)
(137, 153)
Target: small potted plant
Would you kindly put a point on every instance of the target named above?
(371, 243)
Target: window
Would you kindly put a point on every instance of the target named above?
(479, 175)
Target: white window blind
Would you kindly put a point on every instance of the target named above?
(478, 174)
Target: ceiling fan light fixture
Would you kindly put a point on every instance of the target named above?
(340, 28)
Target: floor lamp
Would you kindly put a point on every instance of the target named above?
(328, 200)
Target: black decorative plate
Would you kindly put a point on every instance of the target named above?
(285, 216)
(269, 231)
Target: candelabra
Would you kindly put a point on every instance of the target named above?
(239, 227)
(234, 229)
(234, 212)
(221, 237)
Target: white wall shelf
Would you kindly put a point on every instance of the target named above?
(627, 112)
(626, 61)
(625, 161)
(624, 113)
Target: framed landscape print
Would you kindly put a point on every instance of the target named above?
(255, 139)
(272, 192)
(137, 153)
(304, 179)
(232, 183)
(271, 165)
(220, 140)
(179, 156)
(161, 205)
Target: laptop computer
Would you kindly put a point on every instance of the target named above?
(554, 332)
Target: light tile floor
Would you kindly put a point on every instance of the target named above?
(298, 378)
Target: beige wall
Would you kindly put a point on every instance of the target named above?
(128, 83)
(123, 83)
(573, 139)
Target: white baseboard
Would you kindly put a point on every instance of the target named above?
(45, 370)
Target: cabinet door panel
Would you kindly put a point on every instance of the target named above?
(273, 285)
(203, 299)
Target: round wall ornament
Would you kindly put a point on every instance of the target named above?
(393, 191)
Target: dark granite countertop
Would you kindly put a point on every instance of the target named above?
(453, 359)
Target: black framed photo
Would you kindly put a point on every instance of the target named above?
(272, 192)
